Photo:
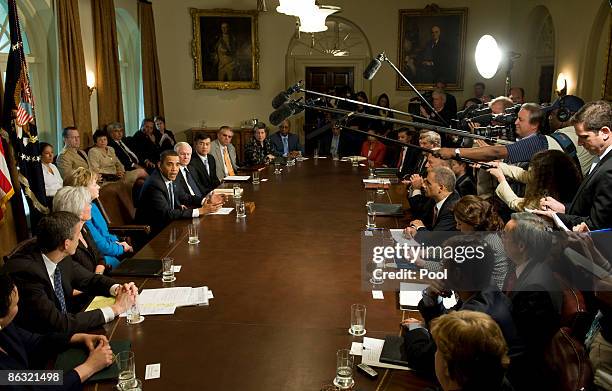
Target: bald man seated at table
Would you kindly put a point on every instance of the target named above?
(46, 276)
(161, 201)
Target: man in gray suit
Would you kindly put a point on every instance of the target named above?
(224, 153)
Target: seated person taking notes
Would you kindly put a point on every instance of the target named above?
(46, 276)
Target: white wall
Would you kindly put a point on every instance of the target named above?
(186, 107)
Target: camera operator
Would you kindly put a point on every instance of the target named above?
(563, 139)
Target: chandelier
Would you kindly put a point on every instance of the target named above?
(310, 17)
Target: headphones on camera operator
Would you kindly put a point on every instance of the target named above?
(563, 113)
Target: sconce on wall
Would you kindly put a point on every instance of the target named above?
(91, 82)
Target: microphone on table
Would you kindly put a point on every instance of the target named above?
(284, 96)
(374, 66)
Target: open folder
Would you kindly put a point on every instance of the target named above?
(76, 356)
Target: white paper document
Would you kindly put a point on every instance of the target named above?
(399, 237)
(152, 371)
(237, 178)
(356, 349)
(164, 301)
(227, 192)
(222, 211)
(411, 293)
(372, 348)
(176, 268)
(378, 295)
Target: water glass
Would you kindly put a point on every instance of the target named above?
(371, 216)
(316, 153)
(168, 270)
(256, 177)
(344, 369)
(193, 234)
(133, 313)
(240, 209)
(358, 316)
(371, 173)
(126, 365)
(354, 161)
(277, 169)
(299, 157)
(381, 189)
(237, 191)
(132, 385)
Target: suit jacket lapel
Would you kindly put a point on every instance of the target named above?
(588, 179)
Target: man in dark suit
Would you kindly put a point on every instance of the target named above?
(186, 182)
(592, 204)
(203, 164)
(285, 143)
(46, 277)
(336, 143)
(126, 156)
(465, 184)
(408, 158)
(161, 201)
(436, 206)
(535, 294)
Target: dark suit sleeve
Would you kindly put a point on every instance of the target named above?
(418, 207)
(534, 315)
(446, 221)
(160, 207)
(38, 310)
(88, 282)
(420, 351)
(600, 215)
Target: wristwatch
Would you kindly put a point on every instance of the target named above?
(457, 152)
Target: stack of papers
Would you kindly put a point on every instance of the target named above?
(164, 301)
(237, 178)
(370, 352)
(222, 211)
(228, 192)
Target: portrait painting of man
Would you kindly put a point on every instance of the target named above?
(431, 47)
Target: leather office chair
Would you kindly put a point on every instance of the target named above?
(19, 247)
(568, 363)
(574, 314)
(117, 207)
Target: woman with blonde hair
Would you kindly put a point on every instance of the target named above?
(108, 244)
(471, 352)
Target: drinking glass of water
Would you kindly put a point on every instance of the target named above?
(237, 191)
(133, 385)
(168, 270)
(256, 177)
(240, 209)
(277, 169)
(316, 153)
(126, 365)
(371, 216)
(344, 369)
(358, 316)
(133, 313)
(193, 234)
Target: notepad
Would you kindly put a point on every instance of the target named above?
(76, 356)
(411, 293)
(222, 211)
(372, 349)
(100, 302)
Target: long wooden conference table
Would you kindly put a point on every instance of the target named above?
(283, 280)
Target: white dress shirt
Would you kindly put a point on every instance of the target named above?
(108, 312)
(184, 174)
(599, 158)
(53, 180)
(168, 183)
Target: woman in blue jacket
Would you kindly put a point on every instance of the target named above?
(107, 243)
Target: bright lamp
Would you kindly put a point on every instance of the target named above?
(488, 56)
(296, 7)
(314, 22)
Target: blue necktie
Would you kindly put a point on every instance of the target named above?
(207, 166)
(285, 146)
(59, 291)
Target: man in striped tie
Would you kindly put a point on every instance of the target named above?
(47, 277)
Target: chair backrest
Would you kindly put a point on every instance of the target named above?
(568, 363)
(116, 202)
(574, 314)
(19, 247)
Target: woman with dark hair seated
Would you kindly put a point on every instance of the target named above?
(551, 174)
(165, 136)
(472, 213)
(472, 354)
(102, 158)
(22, 350)
(374, 150)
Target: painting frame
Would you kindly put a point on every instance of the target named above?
(416, 51)
(216, 66)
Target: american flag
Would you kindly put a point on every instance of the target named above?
(25, 110)
(6, 187)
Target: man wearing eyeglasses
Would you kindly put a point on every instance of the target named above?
(71, 157)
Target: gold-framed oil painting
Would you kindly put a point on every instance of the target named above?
(431, 46)
(225, 49)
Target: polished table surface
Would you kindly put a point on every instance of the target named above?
(283, 278)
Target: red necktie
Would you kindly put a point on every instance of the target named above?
(510, 281)
(401, 158)
(435, 215)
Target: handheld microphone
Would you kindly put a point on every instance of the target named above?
(282, 113)
(284, 96)
(374, 66)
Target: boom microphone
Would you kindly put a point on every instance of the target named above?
(284, 96)
(283, 112)
(374, 66)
